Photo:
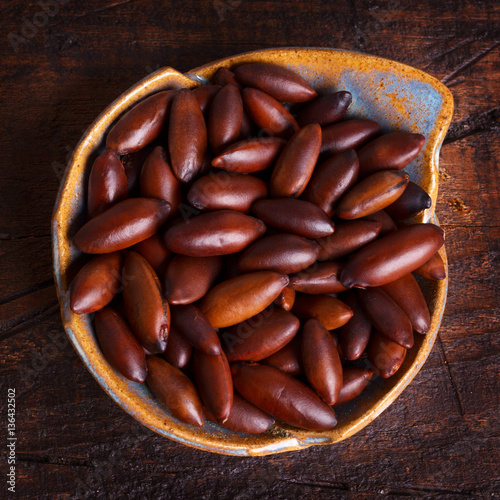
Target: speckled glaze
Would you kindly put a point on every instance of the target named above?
(399, 98)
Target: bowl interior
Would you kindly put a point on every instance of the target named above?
(399, 98)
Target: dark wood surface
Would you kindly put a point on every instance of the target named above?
(439, 439)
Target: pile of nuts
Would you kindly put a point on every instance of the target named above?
(252, 246)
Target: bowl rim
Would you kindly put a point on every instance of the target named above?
(105, 375)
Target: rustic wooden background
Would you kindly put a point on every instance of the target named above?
(60, 70)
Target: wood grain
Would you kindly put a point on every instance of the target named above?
(440, 439)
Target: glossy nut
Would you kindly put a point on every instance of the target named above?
(214, 382)
(268, 114)
(96, 283)
(140, 125)
(158, 180)
(242, 297)
(296, 163)
(320, 278)
(279, 82)
(224, 118)
(250, 155)
(392, 256)
(331, 180)
(389, 151)
(372, 194)
(386, 316)
(205, 95)
(247, 126)
(215, 233)
(347, 238)
(260, 336)
(407, 294)
(283, 253)
(355, 334)
(282, 396)
(385, 355)
(387, 225)
(354, 382)
(329, 311)
(107, 183)
(187, 136)
(194, 326)
(294, 216)
(321, 360)
(288, 359)
(433, 269)
(133, 163)
(123, 225)
(188, 279)
(179, 350)
(119, 345)
(349, 134)
(412, 202)
(155, 252)
(226, 190)
(147, 312)
(224, 76)
(325, 110)
(285, 299)
(245, 417)
(175, 391)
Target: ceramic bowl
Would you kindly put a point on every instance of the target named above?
(397, 96)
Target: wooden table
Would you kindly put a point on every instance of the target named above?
(60, 70)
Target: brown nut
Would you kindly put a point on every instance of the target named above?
(385, 355)
(433, 269)
(331, 180)
(294, 216)
(389, 151)
(372, 194)
(392, 256)
(321, 361)
(158, 180)
(320, 278)
(224, 76)
(123, 225)
(260, 336)
(387, 225)
(225, 118)
(226, 190)
(329, 311)
(196, 329)
(187, 136)
(188, 279)
(283, 253)
(119, 345)
(250, 155)
(155, 252)
(412, 202)
(285, 299)
(96, 283)
(386, 316)
(407, 294)
(179, 350)
(240, 298)
(175, 391)
(214, 382)
(355, 334)
(107, 183)
(282, 396)
(296, 163)
(347, 238)
(147, 312)
(215, 233)
(288, 359)
(142, 124)
(354, 382)
(350, 134)
(268, 113)
(325, 110)
(205, 95)
(278, 82)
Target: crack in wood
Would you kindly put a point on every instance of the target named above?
(67, 461)
(487, 121)
(469, 62)
(26, 291)
(17, 325)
